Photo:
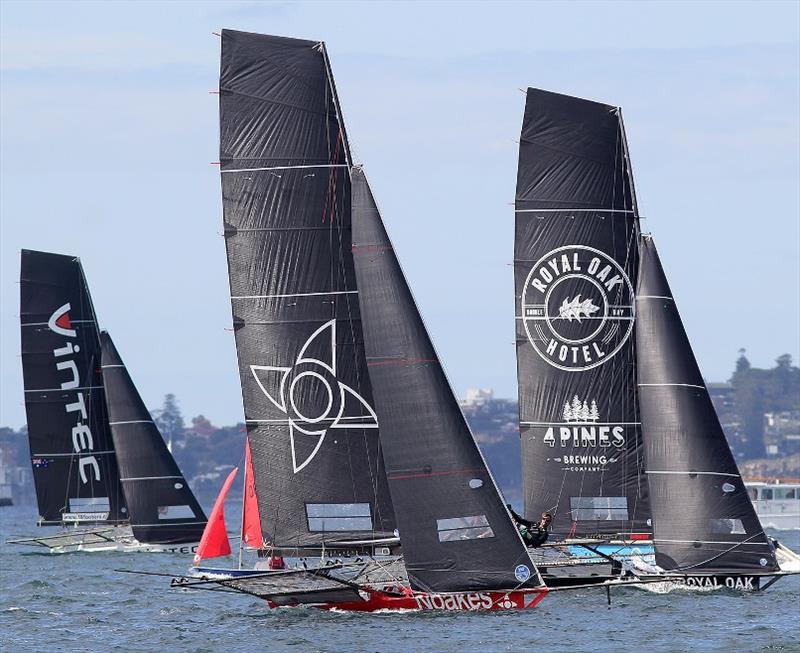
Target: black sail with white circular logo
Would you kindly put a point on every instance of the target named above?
(575, 265)
(577, 307)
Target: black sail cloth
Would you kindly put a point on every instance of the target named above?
(286, 198)
(703, 518)
(161, 507)
(456, 533)
(575, 265)
(74, 466)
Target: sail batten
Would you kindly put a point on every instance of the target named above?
(703, 518)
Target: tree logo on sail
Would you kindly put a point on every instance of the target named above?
(583, 428)
(577, 307)
(582, 442)
(311, 396)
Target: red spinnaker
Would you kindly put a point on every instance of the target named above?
(214, 542)
(251, 520)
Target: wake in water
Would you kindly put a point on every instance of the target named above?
(640, 567)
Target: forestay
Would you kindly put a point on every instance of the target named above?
(575, 266)
(72, 454)
(308, 403)
(456, 533)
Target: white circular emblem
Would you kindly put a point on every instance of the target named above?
(577, 307)
(522, 573)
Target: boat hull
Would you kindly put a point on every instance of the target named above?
(119, 538)
(708, 582)
(373, 600)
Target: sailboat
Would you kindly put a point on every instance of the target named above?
(620, 441)
(77, 451)
(215, 542)
(353, 426)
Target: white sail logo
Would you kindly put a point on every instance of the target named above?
(82, 440)
(583, 429)
(311, 396)
(577, 307)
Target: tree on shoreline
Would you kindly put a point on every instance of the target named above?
(757, 391)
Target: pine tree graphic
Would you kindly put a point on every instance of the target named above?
(594, 414)
(576, 409)
(580, 411)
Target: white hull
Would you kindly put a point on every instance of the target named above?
(115, 538)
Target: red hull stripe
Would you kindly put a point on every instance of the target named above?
(457, 601)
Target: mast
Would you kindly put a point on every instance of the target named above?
(162, 507)
(312, 430)
(575, 266)
(72, 453)
(702, 515)
(456, 533)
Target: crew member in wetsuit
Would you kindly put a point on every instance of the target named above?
(533, 534)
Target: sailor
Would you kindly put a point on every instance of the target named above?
(276, 562)
(533, 534)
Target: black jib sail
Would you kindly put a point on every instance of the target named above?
(702, 516)
(286, 199)
(74, 467)
(575, 265)
(161, 507)
(457, 535)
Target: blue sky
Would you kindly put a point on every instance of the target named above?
(108, 130)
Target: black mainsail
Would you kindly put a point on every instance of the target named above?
(161, 506)
(457, 535)
(72, 453)
(702, 516)
(575, 266)
(286, 199)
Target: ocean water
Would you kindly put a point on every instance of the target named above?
(77, 602)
